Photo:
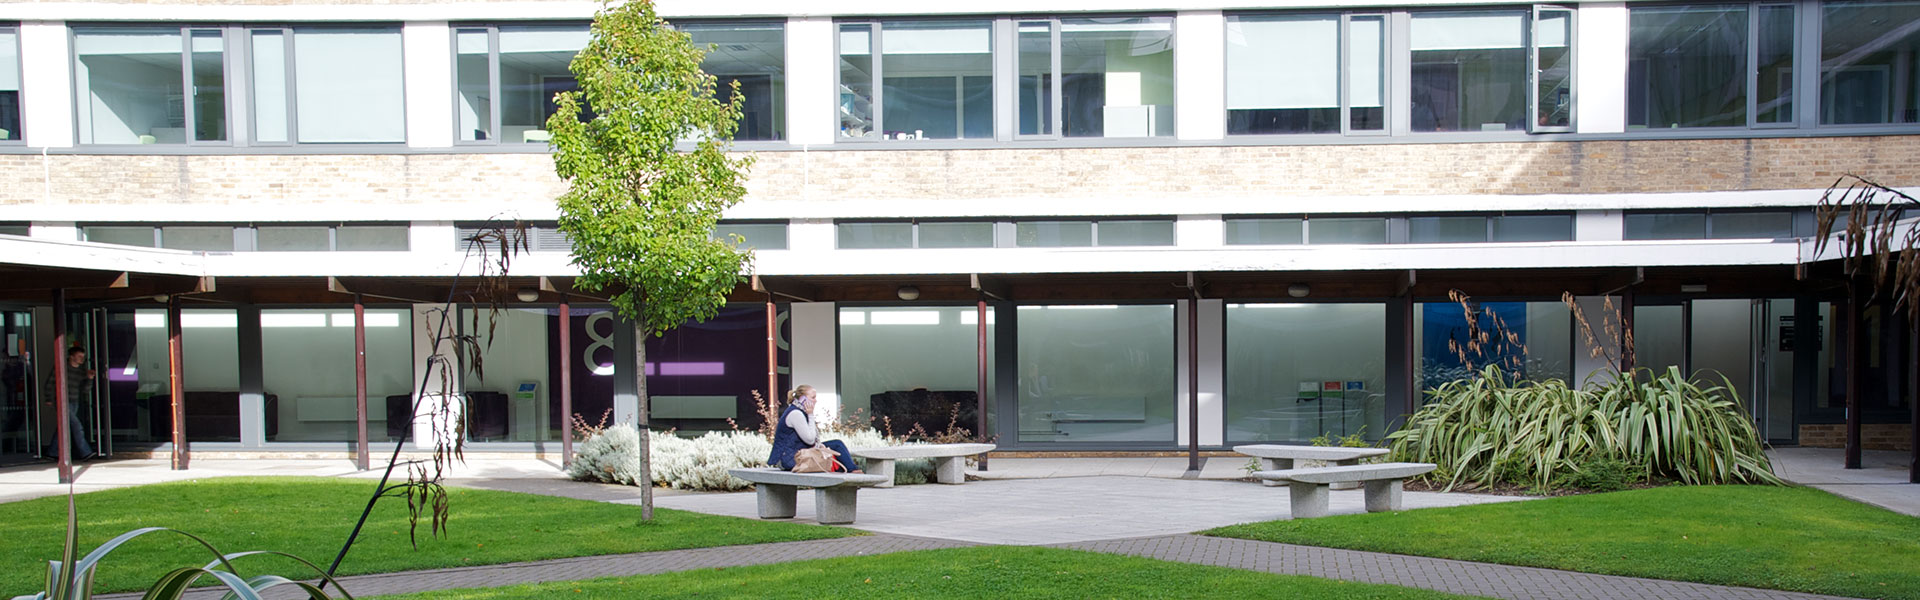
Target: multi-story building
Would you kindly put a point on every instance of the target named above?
(1107, 226)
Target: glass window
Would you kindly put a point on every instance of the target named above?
(759, 236)
(1530, 340)
(9, 85)
(1429, 230)
(1298, 371)
(1136, 233)
(1687, 66)
(307, 361)
(205, 239)
(1751, 225)
(936, 80)
(1053, 234)
(908, 366)
(345, 85)
(1469, 71)
(1532, 228)
(1773, 82)
(125, 236)
(1665, 226)
(703, 374)
(1347, 230)
(875, 235)
(293, 239)
(1115, 77)
(533, 67)
(1283, 74)
(211, 341)
(370, 238)
(473, 83)
(1096, 373)
(1366, 73)
(1867, 70)
(512, 398)
(1265, 231)
(130, 82)
(955, 234)
(755, 56)
(1553, 68)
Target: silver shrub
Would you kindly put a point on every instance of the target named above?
(701, 463)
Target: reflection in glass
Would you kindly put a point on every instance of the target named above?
(1096, 373)
(1532, 228)
(130, 84)
(855, 104)
(1540, 347)
(1430, 230)
(1687, 66)
(533, 68)
(937, 79)
(1752, 225)
(1469, 71)
(1867, 67)
(1554, 61)
(1117, 77)
(209, 86)
(1298, 371)
(903, 366)
(754, 55)
(1773, 89)
(307, 361)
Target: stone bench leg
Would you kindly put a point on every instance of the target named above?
(1309, 499)
(951, 470)
(1275, 464)
(835, 505)
(1346, 485)
(880, 466)
(776, 501)
(1384, 495)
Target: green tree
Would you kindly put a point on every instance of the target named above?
(643, 199)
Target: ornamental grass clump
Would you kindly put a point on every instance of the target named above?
(1491, 429)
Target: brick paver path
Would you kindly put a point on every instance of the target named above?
(1454, 576)
(644, 563)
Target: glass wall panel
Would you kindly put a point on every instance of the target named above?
(1867, 69)
(1347, 230)
(1136, 233)
(1298, 371)
(1035, 65)
(1265, 231)
(208, 66)
(1116, 77)
(1532, 228)
(1778, 355)
(855, 107)
(1722, 345)
(762, 236)
(9, 84)
(125, 236)
(140, 404)
(533, 68)
(292, 239)
(307, 360)
(875, 235)
(204, 239)
(1658, 338)
(514, 396)
(1430, 230)
(270, 105)
(1096, 373)
(1773, 89)
(1665, 226)
(129, 80)
(908, 366)
(347, 85)
(955, 235)
(1052, 234)
(937, 79)
(1687, 66)
(1528, 340)
(392, 238)
(1283, 73)
(1752, 225)
(701, 375)
(473, 83)
(1366, 73)
(1469, 71)
(755, 56)
(1553, 56)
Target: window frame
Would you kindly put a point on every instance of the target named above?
(1056, 123)
(287, 32)
(1802, 35)
(913, 232)
(230, 104)
(1534, 70)
(494, 118)
(1403, 52)
(875, 48)
(1343, 51)
(19, 135)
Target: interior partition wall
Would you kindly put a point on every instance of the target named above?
(1095, 374)
(1298, 371)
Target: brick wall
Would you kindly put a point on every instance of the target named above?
(1638, 166)
(1872, 437)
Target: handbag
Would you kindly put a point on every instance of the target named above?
(818, 459)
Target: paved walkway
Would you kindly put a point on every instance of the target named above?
(1881, 480)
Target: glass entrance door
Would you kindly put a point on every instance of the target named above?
(19, 442)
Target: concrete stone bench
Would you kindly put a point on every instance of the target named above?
(834, 501)
(949, 460)
(1309, 495)
(1276, 457)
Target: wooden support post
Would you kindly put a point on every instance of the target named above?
(177, 385)
(980, 376)
(566, 382)
(773, 354)
(360, 459)
(1913, 401)
(62, 437)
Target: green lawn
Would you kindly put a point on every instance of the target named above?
(310, 517)
(1798, 539)
(960, 574)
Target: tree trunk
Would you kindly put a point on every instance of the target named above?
(641, 421)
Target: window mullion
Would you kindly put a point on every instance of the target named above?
(875, 49)
(292, 88)
(493, 85)
(1343, 84)
(1058, 99)
(186, 86)
(1752, 70)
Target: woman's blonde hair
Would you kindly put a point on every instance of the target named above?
(796, 393)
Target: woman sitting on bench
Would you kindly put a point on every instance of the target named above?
(796, 431)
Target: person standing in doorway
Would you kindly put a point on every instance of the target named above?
(79, 394)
